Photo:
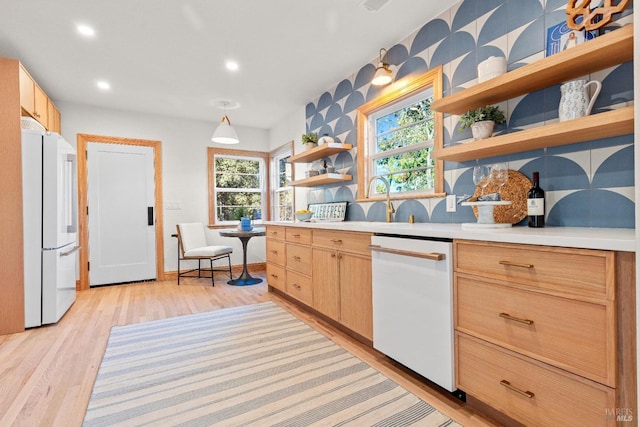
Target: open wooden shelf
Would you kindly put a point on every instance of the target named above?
(322, 179)
(602, 52)
(603, 125)
(319, 152)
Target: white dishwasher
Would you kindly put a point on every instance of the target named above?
(413, 305)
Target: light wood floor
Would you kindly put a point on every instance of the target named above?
(47, 373)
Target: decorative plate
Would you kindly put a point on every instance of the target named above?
(515, 189)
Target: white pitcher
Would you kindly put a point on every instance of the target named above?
(574, 100)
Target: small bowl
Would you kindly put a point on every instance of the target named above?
(304, 216)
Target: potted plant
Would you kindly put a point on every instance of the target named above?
(482, 120)
(310, 140)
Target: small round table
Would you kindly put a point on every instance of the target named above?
(244, 236)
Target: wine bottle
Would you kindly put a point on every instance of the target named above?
(535, 203)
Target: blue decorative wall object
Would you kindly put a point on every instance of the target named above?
(590, 184)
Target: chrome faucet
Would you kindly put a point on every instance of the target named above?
(390, 208)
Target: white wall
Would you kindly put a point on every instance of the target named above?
(184, 164)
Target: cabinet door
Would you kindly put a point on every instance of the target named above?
(326, 289)
(27, 97)
(356, 311)
(41, 105)
(53, 117)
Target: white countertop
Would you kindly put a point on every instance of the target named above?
(617, 239)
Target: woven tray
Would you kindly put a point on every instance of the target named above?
(515, 189)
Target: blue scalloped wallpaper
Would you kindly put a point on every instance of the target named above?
(590, 184)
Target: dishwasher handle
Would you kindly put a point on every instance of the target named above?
(434, 256)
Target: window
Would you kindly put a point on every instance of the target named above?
(282, 193)
(397, 133)
(237, 180)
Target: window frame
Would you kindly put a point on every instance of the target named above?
(398, 92)
(212, 152)
(285, 150)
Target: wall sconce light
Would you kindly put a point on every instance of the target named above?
(382, 75)
(224, 133)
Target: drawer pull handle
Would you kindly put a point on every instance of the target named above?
(516, 319)
(275, 276)
(274, 252)
(434, 256)
(273, 233)
(295, 235)
(296, 258)
(515, 264)
(336, 240)
(508, 385)
(295, 285)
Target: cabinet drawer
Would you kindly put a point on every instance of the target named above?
(298, 235)
(346, 241)
(557, 397)
(276, 276)
(574, 335)
(275, 252)
(299, 258)
(299, 287)
(577, 271)
(275, 232)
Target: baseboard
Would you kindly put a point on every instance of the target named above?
(258, 267)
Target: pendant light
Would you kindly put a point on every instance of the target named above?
(382, 75)
(224, 133)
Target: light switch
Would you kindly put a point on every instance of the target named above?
(451, 203)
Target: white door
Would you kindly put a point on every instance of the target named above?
(121, 187)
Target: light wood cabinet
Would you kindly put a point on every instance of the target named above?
(326, 286)
(345, 270)
(53, 118)
(531, 393)
(35, 102)
(538, 333)
(356, 304)
(329, 271)
(602, 52)
(276, 257)
(27, 92)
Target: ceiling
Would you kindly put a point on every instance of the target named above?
(168, 57)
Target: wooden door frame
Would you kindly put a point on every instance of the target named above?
(81, 146)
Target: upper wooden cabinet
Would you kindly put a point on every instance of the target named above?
(602, 52)
(27, 92)
(35, 103)
(53, 118)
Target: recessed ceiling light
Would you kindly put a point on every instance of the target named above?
(103, 85)
(86, 30)
(232, 65)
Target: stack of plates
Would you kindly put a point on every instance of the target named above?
(310, 173)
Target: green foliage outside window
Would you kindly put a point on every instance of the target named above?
(411, 125)
(238, 186)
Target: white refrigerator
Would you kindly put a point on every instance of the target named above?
(50, 221)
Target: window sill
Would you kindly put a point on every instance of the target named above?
(383, 198)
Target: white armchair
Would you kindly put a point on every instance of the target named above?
(192, 245)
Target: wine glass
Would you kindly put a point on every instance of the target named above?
(499, 175)
(481, 175)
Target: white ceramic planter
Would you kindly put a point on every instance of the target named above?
(483, 129)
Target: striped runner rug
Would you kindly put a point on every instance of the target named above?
(255, 365)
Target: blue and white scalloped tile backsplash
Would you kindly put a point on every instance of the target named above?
(590, 184)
